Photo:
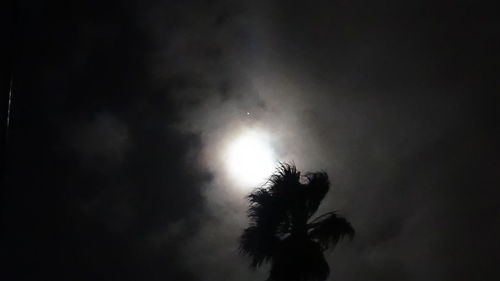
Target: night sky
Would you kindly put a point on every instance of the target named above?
(121, 111)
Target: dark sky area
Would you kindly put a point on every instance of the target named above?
(118, 108)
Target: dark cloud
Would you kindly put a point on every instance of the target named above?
(120, 107)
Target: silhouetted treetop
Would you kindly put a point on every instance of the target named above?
(281, 231)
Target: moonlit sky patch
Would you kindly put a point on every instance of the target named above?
(138, 128)
(249, 158)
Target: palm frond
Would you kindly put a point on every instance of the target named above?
(316, 188)
(329, 229)
(284, 179)
(259, 244)
(265, 210)
(271, 205)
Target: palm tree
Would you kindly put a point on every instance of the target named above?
(281, 231)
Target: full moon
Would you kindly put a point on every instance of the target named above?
(249, 158)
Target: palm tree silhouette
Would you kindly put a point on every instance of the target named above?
(281, 231)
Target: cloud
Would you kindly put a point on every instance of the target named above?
(122, 109)
(102, 140)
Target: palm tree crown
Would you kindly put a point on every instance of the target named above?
(282, 232)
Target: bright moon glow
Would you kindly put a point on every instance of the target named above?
(250, 159)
